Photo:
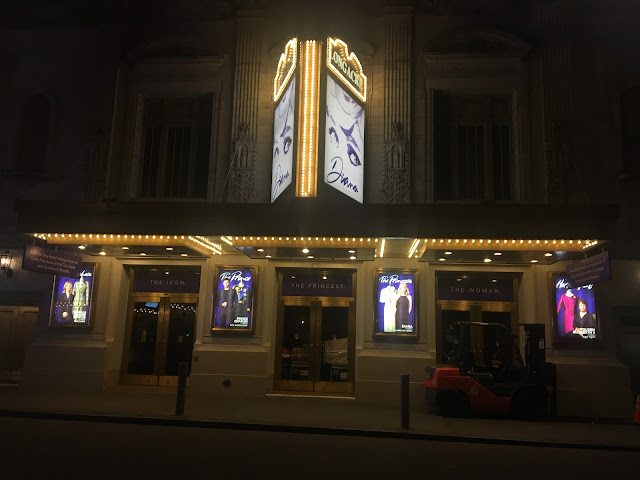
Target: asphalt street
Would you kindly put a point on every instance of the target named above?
(41, 448)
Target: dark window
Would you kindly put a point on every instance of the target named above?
(472, 160)
(630, 119)
(175, 151)
(33, 135)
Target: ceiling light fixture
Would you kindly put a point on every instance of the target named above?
(448, 253)
(81, 247)
(487, 260)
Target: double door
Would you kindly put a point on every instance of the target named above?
(451, 311)
(160, 336)
(315, 340)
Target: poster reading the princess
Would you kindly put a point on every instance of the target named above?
(396, 304)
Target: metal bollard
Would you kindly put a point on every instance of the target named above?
(404, 401)
(182, 388)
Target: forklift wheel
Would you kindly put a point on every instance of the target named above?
(453, 403)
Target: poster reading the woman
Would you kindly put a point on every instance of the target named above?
(396, 302)
(575, 310)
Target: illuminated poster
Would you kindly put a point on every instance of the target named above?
(233, 299)
(283, 141)
(73, 298)
(396, 302)
(344, 142)
(574, 311)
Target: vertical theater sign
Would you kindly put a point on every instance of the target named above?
(298, 121)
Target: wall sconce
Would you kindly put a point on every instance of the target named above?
(5, 263)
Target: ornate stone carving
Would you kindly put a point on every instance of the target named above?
(242, 174)
(395, 186)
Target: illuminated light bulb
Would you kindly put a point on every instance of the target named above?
(487, 260)
(125, 248)
(442, 259)
(548, 254)
(534, 261)
(103, 253)
(81, 247)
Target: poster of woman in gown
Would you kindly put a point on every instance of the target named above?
(73, 298)
(395, 303)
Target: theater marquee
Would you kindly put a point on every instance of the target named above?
(298, 122)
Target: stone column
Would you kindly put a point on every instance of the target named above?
(557, 99)
(397, 105)
(241, 185)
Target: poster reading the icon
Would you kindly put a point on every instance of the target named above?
(73, 300)
(574, 312)
(233, 300)
(396, 304)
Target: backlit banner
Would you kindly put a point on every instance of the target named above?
(73, 298)
(283, 141)
(344, 142)
(396, 302)
(233, 299)
(574, 311)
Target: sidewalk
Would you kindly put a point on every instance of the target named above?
(329, 415)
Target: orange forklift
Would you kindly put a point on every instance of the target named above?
(485, 374)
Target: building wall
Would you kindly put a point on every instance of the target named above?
(565, 74)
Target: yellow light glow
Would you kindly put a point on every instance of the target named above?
(352, 64)
(286, 67)
(382, 248)
(306, 177)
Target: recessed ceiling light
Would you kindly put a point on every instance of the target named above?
(442, 259)
(305, 250)
(352, 251)
(169, 248)
(448, 253)
(166, 273)
(352, 257)
(324, 277)
(497, 254)
(142, 254)
(309, 256)
(103, 253)
(534, 261)
(494, 280)
(125, 248)
(81, 247)
(293, 276)
(260, 250)
(184, 254)
(548, 254)
(268, 256)
(458, 279)
(487, 260)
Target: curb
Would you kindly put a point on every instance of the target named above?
(265, 427)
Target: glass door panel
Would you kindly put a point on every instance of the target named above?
(296, 348)
(178, 340)
(336, 370)
(144, 332)
(449, 318)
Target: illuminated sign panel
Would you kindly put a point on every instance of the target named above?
(307, 168)
(286, 66)
(347, 67)
(344, 142)
(284, 126)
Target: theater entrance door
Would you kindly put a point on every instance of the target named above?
(159, 336)
(315, 345)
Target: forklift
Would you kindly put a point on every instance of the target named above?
(485, 374)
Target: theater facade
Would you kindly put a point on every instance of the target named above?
(308, 206)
